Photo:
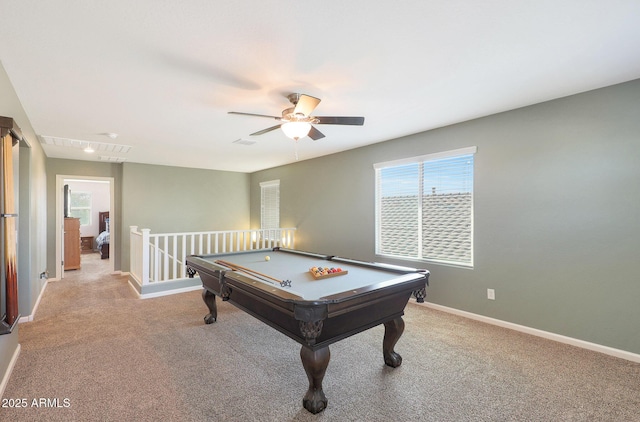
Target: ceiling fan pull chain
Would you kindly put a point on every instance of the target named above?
(296, 149)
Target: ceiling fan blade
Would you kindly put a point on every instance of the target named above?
(315, 134)
(263, 131)
(306, 104)
(340, 120)
(253, 114)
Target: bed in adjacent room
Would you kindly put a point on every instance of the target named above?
(102, 241)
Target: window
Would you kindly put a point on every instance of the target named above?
(424, 207)
(270, 204)
(81, 207)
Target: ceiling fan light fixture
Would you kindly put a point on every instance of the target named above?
(296, 130)
(297, 121)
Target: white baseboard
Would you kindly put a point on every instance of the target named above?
(7, 374)
(163, 293)
(130, 283)
(622, 354)
(169, 292)
(29, 318)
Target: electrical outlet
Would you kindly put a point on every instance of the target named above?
(491, 294)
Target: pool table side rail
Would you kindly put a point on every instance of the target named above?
(373, 265)
(377, 265)
(202, 265)
(266, 250)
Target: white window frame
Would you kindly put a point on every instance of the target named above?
(420, 160)
(270, 204)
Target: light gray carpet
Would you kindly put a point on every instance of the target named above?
(118, 358)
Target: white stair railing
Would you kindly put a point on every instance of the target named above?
(162, 257)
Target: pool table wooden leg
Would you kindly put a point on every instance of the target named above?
(315, 365)
(210, 300)
(392, 331)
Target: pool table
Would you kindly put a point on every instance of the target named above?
(275, 286)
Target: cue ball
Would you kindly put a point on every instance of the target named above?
(266, 258)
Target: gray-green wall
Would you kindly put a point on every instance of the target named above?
(556, 206)
(176, 199)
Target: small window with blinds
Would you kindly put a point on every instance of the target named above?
(81, 207)
(424, 208)
(270, 204)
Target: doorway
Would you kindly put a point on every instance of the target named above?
(100, 192)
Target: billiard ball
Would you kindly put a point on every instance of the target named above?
(266, 258)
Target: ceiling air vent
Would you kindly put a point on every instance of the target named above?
(243, 142)
(112, 159)
(82, 144)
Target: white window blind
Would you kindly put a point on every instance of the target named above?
(424, 207)
(81, 207)
(270, 204)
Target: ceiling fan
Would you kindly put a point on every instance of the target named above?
(297, 121)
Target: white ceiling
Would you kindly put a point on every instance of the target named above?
(164, 74)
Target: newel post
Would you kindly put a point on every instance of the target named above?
(145, 256)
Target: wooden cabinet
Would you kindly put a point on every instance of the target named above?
(71, 244)
(86, 244)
